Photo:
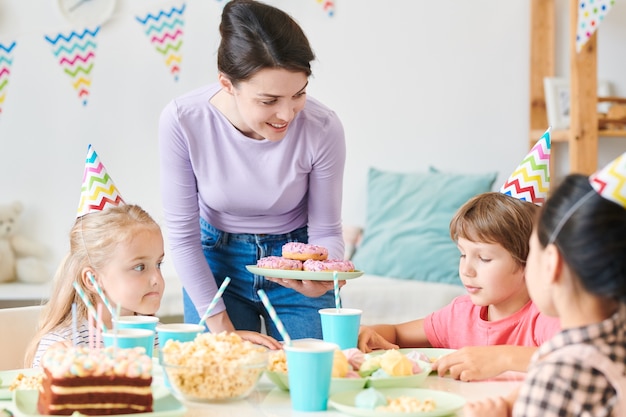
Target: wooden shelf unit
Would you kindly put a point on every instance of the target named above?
(583, 134)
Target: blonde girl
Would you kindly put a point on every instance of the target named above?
(122, 247)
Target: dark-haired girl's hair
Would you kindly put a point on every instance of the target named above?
(592, 240)
(256, 36)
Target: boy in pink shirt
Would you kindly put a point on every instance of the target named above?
(496, 326)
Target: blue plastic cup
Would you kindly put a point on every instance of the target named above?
(182, 332)
(136, 322)
(341, 326)
(130, 338)
(309, 369)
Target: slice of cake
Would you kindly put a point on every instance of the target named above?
(95, 381)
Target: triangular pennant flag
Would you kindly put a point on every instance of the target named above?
(590, 14)
(165, 31)
(6, 60)
(98, 191)
(76, 54)
(328, 6)
(610, 181)
(531, 180)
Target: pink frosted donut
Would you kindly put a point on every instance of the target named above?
(277, 262)
(328, 265)
(304, 251)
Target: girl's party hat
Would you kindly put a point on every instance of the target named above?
(98, 191)
(531, 180)
(610, 181)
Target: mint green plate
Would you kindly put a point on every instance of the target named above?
(304, 275)
(336, 384)
(165, 405)
(432, 353)
(7, 378)
(445, 403)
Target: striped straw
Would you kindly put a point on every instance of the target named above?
(99, 326)
(279, 324)
(88, 304)
(100, 292)
(74, 325)
(214, 301)
(336, 284)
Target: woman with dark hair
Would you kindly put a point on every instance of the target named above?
(248, 164)
(576, 270)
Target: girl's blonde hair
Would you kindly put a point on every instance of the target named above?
(92, 240)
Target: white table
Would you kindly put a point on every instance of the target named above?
(269, 401)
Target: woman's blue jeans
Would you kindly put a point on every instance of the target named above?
(228, 254)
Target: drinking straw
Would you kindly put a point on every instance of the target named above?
(118, 308)
(90, 325)
(272, 312)
(214, 301)
(336, 284)
(74, 325)
(88, 304)
(99, 326)
(100, 292)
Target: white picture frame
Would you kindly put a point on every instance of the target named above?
(556, 90)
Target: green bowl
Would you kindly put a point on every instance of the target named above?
(281, 380)
(411, 381)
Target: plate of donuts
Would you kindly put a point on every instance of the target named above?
(304, 261)
(302, 275)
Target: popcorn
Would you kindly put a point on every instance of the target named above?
(214, 366)
(23, 381)
(404, 404)
(277, 361)
(341, 366)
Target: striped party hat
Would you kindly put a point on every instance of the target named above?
(610, 181)
(98, 191)
(531, 180)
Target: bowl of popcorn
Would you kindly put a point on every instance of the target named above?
(213, 367)
(343, 378)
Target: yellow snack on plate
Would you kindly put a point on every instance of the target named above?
(395, 363)
(340, 365)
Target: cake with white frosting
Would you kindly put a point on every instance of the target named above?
(95, 381)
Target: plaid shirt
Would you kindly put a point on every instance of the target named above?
(562, 385)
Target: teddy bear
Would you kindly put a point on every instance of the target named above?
(20, 258)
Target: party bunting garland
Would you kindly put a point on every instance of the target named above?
(328, 6)
(6, 60)
(165, 31)
(76, 54)
(590, 14)
(531, 180)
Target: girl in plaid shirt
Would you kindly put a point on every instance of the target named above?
(576, 270)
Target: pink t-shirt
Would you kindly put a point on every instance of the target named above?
(462, 323)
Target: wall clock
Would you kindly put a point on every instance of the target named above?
(86, 12)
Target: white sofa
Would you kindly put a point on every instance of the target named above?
(391, 300)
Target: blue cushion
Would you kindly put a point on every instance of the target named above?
(407, 225)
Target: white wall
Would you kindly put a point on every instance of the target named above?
(416, 83)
